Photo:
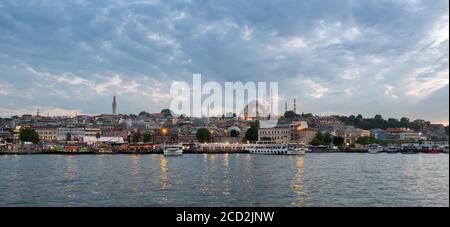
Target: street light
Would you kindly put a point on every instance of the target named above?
(164, 132)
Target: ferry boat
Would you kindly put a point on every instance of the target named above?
(173, 150)
(273, 148)
(374, 148)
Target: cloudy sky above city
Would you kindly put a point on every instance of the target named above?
(335, 56)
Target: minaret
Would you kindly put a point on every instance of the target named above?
(295, 105)
(114, 106)
(271, 102)
(285, 108)
(257, 109)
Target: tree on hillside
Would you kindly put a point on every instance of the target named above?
(404, 122)
(167, 113)
(29, 135)
(290, 115)
(307, 115)
(252, 133)
(203, 135)
(234, 133)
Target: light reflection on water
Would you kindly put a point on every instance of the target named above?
(297, 182)
(225, 180)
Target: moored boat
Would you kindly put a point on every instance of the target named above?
(103, 148)
(432, 150)
(391, 149)
(273, 148)
(410, 150)
(374, 148)
(173, 150)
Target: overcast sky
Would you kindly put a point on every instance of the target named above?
(335, 56)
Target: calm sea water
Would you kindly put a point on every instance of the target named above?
(225, 180)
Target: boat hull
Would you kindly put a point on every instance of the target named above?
(173, 152)
(278, 152)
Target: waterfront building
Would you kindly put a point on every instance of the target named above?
(92, 131)
(5, 134)
(279, 134)
(93, 139)
(306, 135)
(350, 134)
(378, 134)
(398, 134)
(47, 133)
(75, 133)
(16, 132)
(404, 134)
(296, 127)
(435, 131)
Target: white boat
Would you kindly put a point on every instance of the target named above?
(273, 148)
(374, 148)
(173, 150)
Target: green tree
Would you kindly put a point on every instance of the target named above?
(290, 115)
(252, 133)
(393, 123)
(68, 137)
(203, 135)
(307, 115)
(29, 135)
(404, 122)
(147, 137)
(167, 113)
(234, 133)
(338, 141)
(321, 139)
(365, 140)
(136, 137)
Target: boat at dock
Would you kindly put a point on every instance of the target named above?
(103, 148)
(173, 150)
(391, 149)
(410, 150)
(374, 148)
(140, 148)
(432, 150)
(273, 148)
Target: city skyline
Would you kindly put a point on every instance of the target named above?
(334, 57)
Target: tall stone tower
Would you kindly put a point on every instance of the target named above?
(114, 106)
